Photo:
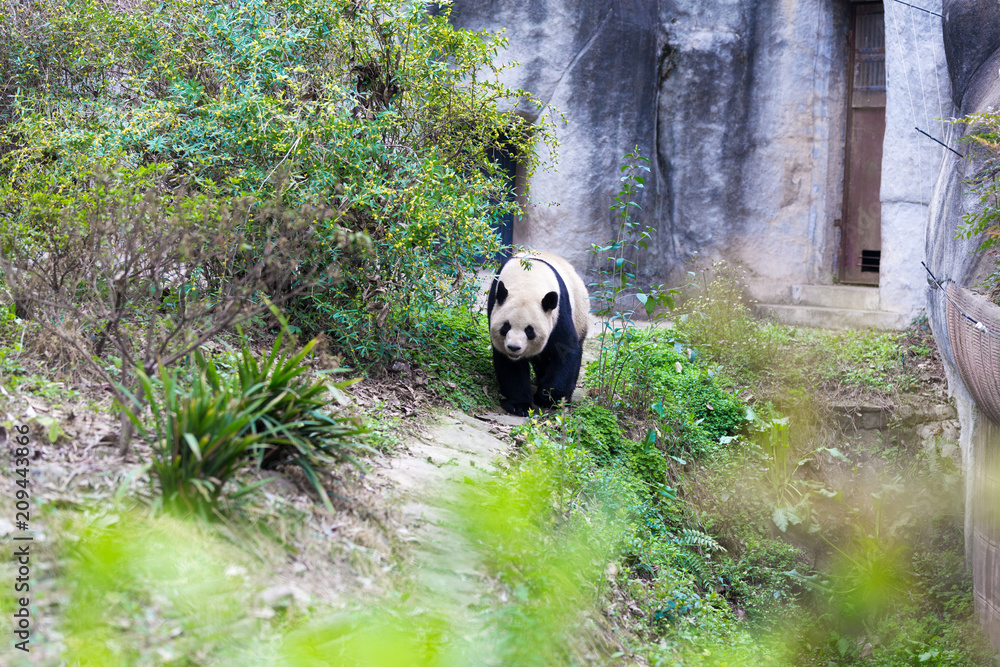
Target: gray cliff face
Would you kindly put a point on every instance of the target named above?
(971, 37)
(918, 96)
(791, 171)
(702, 113)
(597, 62)
(972, 45)
(742, 105)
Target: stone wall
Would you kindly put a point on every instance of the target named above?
(919, 95)
(742, 105)
(752, 139)
(597, 62)
(972, 45)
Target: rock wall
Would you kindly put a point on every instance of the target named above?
(597, 62)
(972, 45)
(751, 113)
(742, 105)
(918, 96)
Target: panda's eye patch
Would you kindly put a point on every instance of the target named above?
(505, 328)
(529, 331)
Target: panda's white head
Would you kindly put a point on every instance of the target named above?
(526, 309)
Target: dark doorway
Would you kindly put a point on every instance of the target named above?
(504, 225)
(861, 237)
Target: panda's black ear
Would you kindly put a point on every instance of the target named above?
(550, 301)
(501, 293)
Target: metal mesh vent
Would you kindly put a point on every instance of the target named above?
(870, 260)
(977, 354)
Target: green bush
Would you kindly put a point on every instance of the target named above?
(597, 431)
(454, 352)
(761, 581)
(717, 411)
(648, 463)
(616, 292)
(682, 399)
(380, 110)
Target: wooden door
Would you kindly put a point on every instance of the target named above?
(861, 235)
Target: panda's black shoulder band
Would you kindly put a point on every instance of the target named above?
(501, 294)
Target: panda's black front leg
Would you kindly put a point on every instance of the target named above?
(514, 378)
(557, 371)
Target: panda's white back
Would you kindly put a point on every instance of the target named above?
(575, 286)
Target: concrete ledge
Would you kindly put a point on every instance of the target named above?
(821, 317)
(836, 296)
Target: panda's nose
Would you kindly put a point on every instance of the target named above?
(513, 348)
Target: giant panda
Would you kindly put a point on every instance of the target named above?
(537, 309)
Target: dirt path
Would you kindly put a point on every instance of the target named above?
(426, 476)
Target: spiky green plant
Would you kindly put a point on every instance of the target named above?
(203, 434)
(291, 421)
(200, 434)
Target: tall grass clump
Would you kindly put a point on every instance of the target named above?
(204, 431)
(291, 417)
(718, 320)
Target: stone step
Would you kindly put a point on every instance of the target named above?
(836, 296)
(823, 317)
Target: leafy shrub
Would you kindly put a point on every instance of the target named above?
(597, 431)
(761, 580)
(124, 263)
(381, 110)
(718, 413)
(454, 351)
(648, 463)
(686, 404)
